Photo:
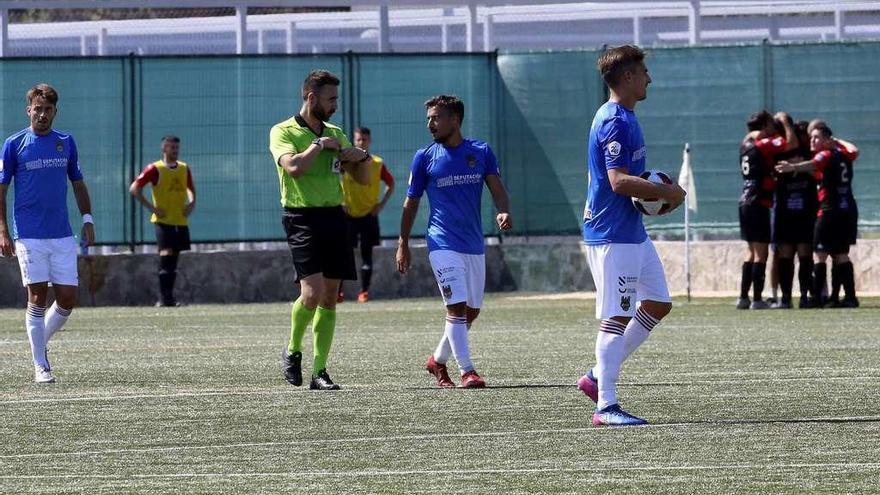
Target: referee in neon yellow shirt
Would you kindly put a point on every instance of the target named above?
(310, 154)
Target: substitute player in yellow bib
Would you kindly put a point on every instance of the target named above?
(310, 154)
(362, 207)
(174, 198)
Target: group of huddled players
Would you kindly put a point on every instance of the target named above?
(797, 195)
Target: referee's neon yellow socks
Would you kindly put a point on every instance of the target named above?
(300, 316)
(323, 327)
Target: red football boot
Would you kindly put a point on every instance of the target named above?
(472, 380)
(589, 386)
(439, 372)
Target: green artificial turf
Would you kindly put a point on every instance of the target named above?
(192, 400)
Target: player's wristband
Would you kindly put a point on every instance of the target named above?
(319, 143)
(87, 218)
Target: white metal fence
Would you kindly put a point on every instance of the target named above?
(427, 26)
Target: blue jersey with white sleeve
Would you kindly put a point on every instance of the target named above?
(453, 179)
(41, 166)
(616, 141)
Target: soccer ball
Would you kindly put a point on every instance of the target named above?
(653, 206)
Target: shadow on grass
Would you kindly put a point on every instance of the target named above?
(512, 386)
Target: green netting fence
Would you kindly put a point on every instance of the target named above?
(533, 108)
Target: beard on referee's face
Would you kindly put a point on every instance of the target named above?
(320, 113)
(322, 103)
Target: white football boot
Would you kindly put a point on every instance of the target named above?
(42, 375)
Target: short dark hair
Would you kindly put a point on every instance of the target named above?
(171, 138)
(759, 121)
(823, 129)
(816, 123)
(364, 131)
(43, 90)
(316, 80)
(614, 62)
(448, 102)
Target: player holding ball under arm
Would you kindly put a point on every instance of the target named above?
(631, 292)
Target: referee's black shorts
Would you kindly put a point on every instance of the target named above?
(173, 237)
(754, 223)
(318, 241)
(365, 229)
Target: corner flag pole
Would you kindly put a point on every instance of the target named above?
(686, 181)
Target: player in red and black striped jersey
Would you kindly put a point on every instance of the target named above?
(760, 150)
(836, 223)
(851, 151)
(794, 218)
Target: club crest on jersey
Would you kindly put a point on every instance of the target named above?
(625, 302)
(614, 148)
(447, 291)
(471, 161)
(59, 146)
(337, 166)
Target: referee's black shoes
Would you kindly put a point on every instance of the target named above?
(322, 381)
(292, 366)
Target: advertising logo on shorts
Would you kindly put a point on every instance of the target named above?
(625, 303)
(625, 285)
(614, 148)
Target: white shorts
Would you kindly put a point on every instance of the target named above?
(47, 260)
(626, 274)
(460, 277)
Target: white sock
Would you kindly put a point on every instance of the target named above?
(36, 334)
(457, 335)
(637, 331)
(609, 358)
(443, 351)
(56, 317)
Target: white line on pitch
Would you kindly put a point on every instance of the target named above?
(361, 387)
(457, 472)
(430, 436)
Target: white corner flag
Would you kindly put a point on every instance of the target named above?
(686, 181)
(686, 178)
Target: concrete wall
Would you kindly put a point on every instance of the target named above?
(235, 276)
(264, 276)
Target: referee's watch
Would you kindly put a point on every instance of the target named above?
(317, 142)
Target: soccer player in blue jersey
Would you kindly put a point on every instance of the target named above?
(631, 292)
(452, 170)
(42, 160)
